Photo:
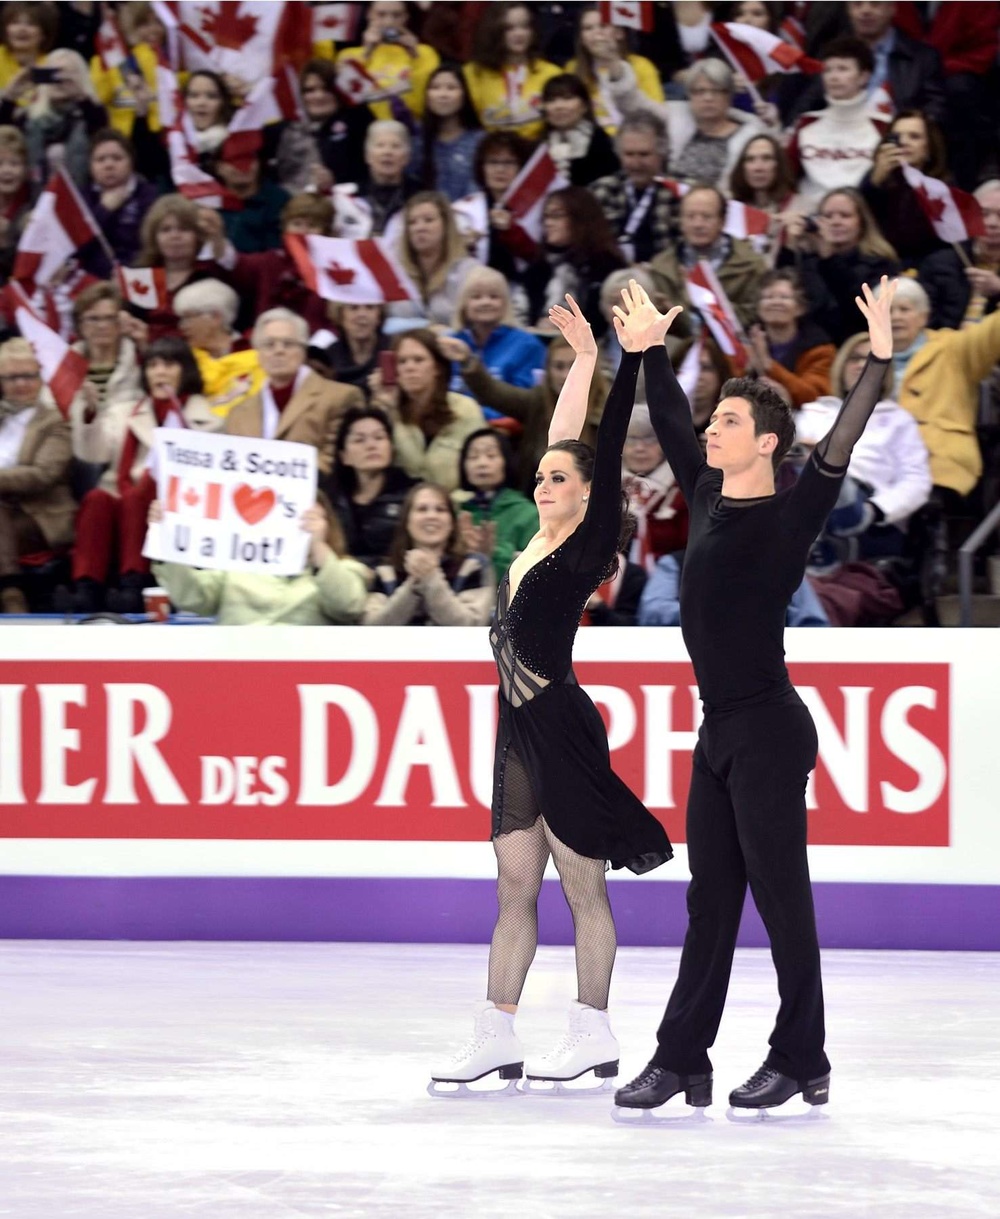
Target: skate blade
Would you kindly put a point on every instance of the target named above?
(788, 1112)
(685, 1115)
(449, 1090)
(571, 1088)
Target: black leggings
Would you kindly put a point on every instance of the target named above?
(746, 822)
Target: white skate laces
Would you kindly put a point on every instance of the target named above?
(589, 1045)
(493, 1047)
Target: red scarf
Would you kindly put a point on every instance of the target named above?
(163, 410)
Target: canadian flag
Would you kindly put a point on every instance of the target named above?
(145, 287)
(525, 197)
(954, 215)
(63, 369)
(741, 219)
(192, 181)
(356, 272)
(203, 500)
(166, 14)
(690, 370)
(270, 100)
(60, 224)
(108, 42)
(334, 22)
(757, 53)
(630, 16)
(708, 297)
(881, 103)
(249, 40)
(356, 83)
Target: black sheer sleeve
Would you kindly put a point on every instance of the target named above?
(598, 534)
(670, 415)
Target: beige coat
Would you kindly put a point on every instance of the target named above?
(437, 462)
(312, 416)
(105, 433)
(39, 483)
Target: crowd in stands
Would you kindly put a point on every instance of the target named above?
(429, 415)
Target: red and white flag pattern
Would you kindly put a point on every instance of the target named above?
(270, 100)
(954, 215)
(690, 370)
(629, 14)
(109, 44)
(355, 272)
(742, 220)
(708, 297)
(757, 53)
(166, 14)
(60, 224)
(525, 197)
(203, 500)
(63, 369)
(357, 84)
(249, 39)
(335, 22)
(145, 287)
(192, 181)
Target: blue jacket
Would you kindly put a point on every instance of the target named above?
(510, 355)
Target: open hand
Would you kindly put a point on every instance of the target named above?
(878, 312)
(639, 324)
(574, 327)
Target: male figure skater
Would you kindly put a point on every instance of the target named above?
(746, 814)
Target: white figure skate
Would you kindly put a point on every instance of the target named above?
(589, 1045)
(494, 1047)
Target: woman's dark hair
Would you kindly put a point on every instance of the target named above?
(785, 275)
(173, 350)
(226, 113)
(590, 232)
(431, 127)
(506, 452)
(730, 12)
(440, 413)
(568, 85)
(500, 141)
(583, 459)
(489, 45)
(784, 179)
(401, 542)
(43, 15)
(110, 135)
(770, 413)
(850, 48)
(344, 478)
(937, 153)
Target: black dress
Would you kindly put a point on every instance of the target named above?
(552, 756)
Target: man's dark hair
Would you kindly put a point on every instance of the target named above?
(850, 48)
(769, 412)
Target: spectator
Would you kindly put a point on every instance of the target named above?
(580, 253)
(713, 372)
(209, 106)
(255, 225)
(36, 508)
(494, 518)
(128, 90)
(327, 145)
(835, 253)
(639, 209)
(429, 580)
(294, 403)
(785, 345)
(611, 295)
(367, 488)
(833, 147)
(616, 601)
(915, 140)
(79, 22)
(600, 49)
(118, 199)
(433, 253)
(654, 498)
(15, 195)
(739, 268)
(391, 53)
(532, 407)
(333, 588)
(27, 32)
(206, 312)
(111, 523)
(763, 178)
(707, 134)
(350, 352)
(889, 474)
(430, 423)
(506, 74)
(937, 380)
(60, 121)
(581, 148)
(485, 324)
(964, 290)
(386, 186)
(444, 149)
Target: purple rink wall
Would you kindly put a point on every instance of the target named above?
(333, 783)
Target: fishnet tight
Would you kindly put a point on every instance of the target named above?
(521, 858)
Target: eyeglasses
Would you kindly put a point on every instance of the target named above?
(704, 91)
(20, 376)
(188, 314)
(278, 344)
(94, 319)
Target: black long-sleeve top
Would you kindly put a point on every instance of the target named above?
(746, 557)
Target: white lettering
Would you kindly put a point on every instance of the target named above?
(360, 746)
(421, 740)
(11, 787)
(275, 783)
(845, 757)
(130, 751)
(662, 742)
(914, 750)
(217, 781)
(482, 738)
(57, 741)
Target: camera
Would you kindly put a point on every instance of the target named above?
(811, 225)
(390, 35)
(893, 138)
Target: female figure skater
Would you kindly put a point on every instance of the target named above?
(554, 791)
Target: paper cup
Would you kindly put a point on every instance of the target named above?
(157, 603)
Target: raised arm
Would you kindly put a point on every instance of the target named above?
(642, 328)
(570, 414)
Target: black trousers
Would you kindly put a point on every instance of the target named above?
(746, 823)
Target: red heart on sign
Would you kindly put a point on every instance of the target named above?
(253, 505)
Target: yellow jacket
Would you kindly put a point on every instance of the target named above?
(118, 98)
(391, 64)
(9, 68)
(488, 90)
(940, 389)
(647, 81)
